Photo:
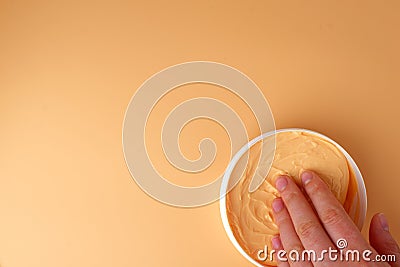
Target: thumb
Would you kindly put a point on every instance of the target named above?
(381, 239)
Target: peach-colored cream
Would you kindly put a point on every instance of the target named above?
(250, 214)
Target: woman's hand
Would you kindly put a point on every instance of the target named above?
(317, 227)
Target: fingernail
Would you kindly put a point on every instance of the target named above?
(281, 183)
(306, 177)
(384, 222)
(276, 242)
(277, 204)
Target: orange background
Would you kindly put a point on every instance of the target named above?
(69, 68)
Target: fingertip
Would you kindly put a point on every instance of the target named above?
(380, 237)
(379, 223)
(281, 182)
(383, 221)
(378, 229)
(306, 177)
(276, 242)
